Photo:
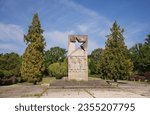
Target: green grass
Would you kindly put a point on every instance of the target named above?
(48, 80)
(31, 95)
(94, 77)
(38, 95)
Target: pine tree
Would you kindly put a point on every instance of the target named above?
(115, 63)
(32, 67)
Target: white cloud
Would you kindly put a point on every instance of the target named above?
(11, 38)
(8, 48)
(133, 32)
(10, 32)
(83, 28)
(92, 45)
(57, 38)
(103, 33)
(80, 8)
(89, 21)
(98, 26)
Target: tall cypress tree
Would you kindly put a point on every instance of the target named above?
(115, 63)
(32, 67)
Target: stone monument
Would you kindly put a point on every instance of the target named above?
(77, 58)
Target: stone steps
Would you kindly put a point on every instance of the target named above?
(64, 84)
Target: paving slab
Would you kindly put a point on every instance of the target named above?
(66, 93)
(90, 89)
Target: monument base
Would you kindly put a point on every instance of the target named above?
(78, 76)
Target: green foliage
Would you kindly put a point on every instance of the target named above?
(115, 63)
(58, 70)
(55, 54)
(10, 65)
(140, 55)
(94, 59)
(33, 58)
(1, 74)
(147, 40)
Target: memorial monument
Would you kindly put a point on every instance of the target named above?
(77, 58)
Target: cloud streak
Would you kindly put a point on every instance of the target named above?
(84, 21)
(8, 47)
(57, 38)
(133, 32)
(11, 38)
(10, 32)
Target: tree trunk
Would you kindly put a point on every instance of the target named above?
(35, 82)
(115, 80)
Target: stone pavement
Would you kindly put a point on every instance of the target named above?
(97, 89)
(89, 93)
(73, 89)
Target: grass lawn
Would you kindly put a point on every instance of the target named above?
(94, 77)
(47, 80)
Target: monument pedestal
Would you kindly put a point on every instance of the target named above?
(78, 76)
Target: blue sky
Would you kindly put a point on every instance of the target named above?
(62, 17)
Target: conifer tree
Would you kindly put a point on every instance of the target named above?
(115, 63)
(32, 67)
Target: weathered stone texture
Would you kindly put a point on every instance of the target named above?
(77, 58)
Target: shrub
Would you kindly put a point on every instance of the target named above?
(8, 81)
(7, 73)
(57, 70)
(147, 76)
(9, 67)
(1, 74)
(137, 78)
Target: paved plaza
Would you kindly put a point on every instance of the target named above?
(65, 89)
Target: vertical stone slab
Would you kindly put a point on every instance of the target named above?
(77, 58)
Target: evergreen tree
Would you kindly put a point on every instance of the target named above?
(33, 58)
(115, 63)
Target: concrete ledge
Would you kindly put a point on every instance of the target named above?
(112, 83)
